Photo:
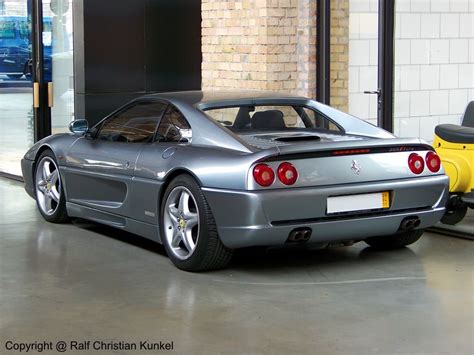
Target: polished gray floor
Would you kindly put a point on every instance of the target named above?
(81, 281)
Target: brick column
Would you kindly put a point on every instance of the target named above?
(340, 54)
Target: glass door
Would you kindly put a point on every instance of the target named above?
(16, 87)
(354, 57)
(58, 62)
(36, 75)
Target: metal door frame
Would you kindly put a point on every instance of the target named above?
(386, 43)
(42, 113)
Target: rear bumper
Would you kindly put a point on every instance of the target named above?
(250, 218)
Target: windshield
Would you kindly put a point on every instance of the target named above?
(245, 118)
(7, 29)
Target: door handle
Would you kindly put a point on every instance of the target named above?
(50, 94)
(374, 92)
(36, 95)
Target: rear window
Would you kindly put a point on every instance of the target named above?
(247, 118)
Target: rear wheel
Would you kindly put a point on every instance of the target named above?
(395, 241)
(188, 230)
(49, 189)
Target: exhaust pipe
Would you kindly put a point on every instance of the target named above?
(410, 223)
(299, 235)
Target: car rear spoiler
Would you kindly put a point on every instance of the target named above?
(371, 146)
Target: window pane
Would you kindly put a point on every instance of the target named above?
(16, 88)
(275, 118)
(58, 60)
(136, 124)
(354, 57)
(172, 126)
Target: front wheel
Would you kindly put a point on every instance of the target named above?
(188, 230)
(395, 241)
(49, 189)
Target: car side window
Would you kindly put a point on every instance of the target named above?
(173, 127)
(135, 124)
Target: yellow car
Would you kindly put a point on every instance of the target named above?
(455, 146)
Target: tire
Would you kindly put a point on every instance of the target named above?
(14, 76)
(395, 241)
(49, 191)
(456, 215)
(188, 229)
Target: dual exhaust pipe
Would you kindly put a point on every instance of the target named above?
(299, 235)
(409, 223)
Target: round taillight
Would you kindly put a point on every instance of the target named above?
(416, 163)
(287, 173)
(433, 162)
(263, 175)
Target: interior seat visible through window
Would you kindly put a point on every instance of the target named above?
(270, 119)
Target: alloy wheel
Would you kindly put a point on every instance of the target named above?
(181, 222)
(48, 186)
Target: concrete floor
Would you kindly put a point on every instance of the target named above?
(82, 281)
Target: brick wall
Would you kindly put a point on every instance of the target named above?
(271, 45)
(259, 44)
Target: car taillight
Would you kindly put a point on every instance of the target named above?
(263, 174)
(416, 163)
(287, 173)
(433, 162)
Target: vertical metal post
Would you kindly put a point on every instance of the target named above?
(42, 117)
(323, 51)
(386, 64)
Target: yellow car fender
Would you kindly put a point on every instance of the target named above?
(458, 162)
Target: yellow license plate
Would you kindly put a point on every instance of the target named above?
(385, 199)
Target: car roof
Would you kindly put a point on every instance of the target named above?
(197, 97)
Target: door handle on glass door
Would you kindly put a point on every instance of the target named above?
(36, 100)
(374, 92)
(50, 94)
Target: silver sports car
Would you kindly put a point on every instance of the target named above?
(204, 173)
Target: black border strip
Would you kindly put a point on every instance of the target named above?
(348, 216)
(386, 64)
(323, 51)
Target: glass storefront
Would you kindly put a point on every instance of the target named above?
(58, 54)
(17, 63)
(16, 88)
(433, 62)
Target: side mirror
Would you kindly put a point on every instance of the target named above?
(79, 127)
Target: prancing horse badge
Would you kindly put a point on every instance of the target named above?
(355, 167)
